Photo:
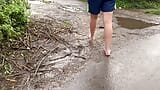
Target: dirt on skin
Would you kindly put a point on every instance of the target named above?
(62, 49)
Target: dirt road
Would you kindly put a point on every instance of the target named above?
(134, 63)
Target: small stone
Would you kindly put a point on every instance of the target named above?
(28, 48)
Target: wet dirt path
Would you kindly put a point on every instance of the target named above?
(134, 67)
(130, 66)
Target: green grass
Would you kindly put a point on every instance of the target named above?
(137, 5)
(156, 12)
(83, 0)
(124, 4)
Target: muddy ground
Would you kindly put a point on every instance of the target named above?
(56, 60)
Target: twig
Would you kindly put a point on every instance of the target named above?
(14, 62)
(80, 57)
(43, 60)
(63, 56)
(27, 80)
(28, 69)
(17, 74)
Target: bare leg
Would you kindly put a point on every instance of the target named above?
(107, 16)
(93, 22)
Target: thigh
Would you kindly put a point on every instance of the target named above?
(108, 5)
(107, 16)
(95, 6)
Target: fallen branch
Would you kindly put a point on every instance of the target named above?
(43, 60)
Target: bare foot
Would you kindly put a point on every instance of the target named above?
(91, 41)
(108, 52)
(91, 38)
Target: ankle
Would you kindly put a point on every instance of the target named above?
(107, 49)
(91, 37)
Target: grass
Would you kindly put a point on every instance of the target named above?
(156, 12)
(137, 5)
(67, 24)
(124, 4)
(83, 0)
(153, 6)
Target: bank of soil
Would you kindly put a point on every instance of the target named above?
(56, 45)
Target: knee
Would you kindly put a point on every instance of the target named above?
(94, 17)
(106, 22)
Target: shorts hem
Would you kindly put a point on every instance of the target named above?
(111, 10)
(93, 13)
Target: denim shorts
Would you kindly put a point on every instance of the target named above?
(96, 6)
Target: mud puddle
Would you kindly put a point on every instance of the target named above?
(133, 23)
